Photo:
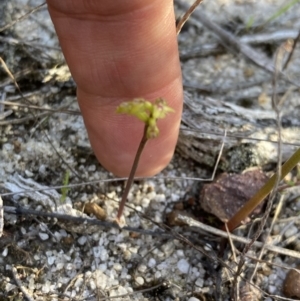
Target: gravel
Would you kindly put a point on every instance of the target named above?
(55, 259)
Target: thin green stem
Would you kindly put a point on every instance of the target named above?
(263, 192)
(132, 173)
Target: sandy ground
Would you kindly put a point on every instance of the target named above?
(45, 258)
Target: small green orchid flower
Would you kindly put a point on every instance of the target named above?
(152, 129)
(137, 107)
(148, 113)
(160, 109)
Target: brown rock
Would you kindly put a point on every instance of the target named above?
(224, 197)
(291, 284)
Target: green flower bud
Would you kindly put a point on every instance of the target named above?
(160, 109)
(147, 112)
(152, 131)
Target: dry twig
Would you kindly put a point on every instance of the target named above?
(1, 217)
(22, 288)
(193, 223)
(291, 52)
(186, 16)
(61, 110)
(22, 17)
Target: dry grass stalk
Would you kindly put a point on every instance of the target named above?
(186, 16)
(193, 223)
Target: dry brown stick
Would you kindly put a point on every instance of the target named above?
(131, 174)
(6, 69)
(279, 35)
(24, 119)
(278, 210)
(81, 220)
(22, 17)
(209, 49)
(277, 297)
(1, 217)
(186, 16)
(20, 285)
(59, 110)
(235, 284)
(193, 223)
(145, 290)
(268, 262)
(291, 52)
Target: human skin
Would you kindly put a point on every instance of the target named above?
(116, 51)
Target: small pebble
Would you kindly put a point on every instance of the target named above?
(69, 266)
(78, 283)
(118, 267)
(31, 284)
(36, 257)
(142, 268)
(276, 230)
(92, 168)
(82, 240)
(193, 299)
(51, 260)
(162, 266)
(180, 253)
(297, 205)
(290, 231)
(145, 202)
(272, 278)
(139, 280)
(199, 282)
(9, 287)
(92, 284)
(43, 236)
(160, 198)
(127, 255)
(104, 255)
(96, 252)
(157, 275)
(103, 267)
(272, 289)
(168, 248)
(183, 266)
(60, 265)
(5, 252)
(266, 270)
(151, 263)
(29, 174)
(175, 197)
(46, 287)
